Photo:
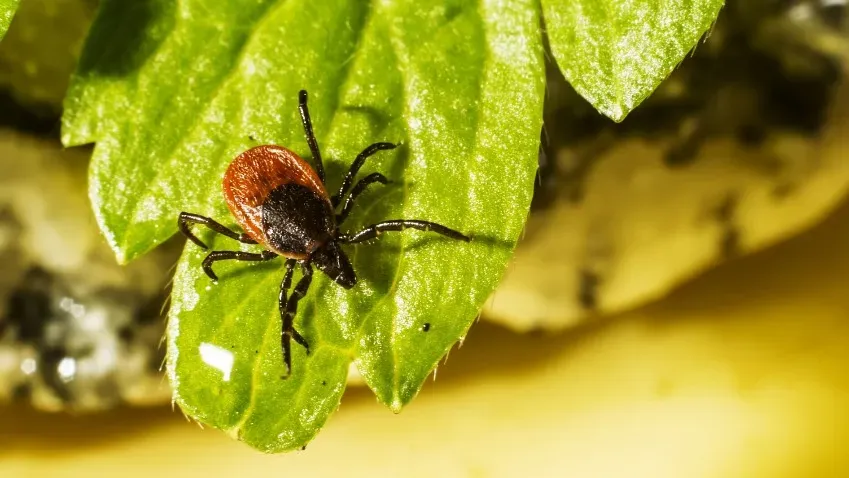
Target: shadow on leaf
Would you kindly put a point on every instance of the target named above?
(120, 46)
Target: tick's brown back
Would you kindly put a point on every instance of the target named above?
(251, 177)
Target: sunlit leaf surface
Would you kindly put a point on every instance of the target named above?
(7, 11)
(172, 91)
(616, 52)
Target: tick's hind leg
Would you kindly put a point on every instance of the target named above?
(399, 225)
(288, 309)
(185, 219)
(355, 168)
(216, 256)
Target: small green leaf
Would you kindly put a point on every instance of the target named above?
(7, 11)
(615, 52)
(171, 92)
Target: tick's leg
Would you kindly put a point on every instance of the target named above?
(186, 218)
(285, 285)
(355, 168)
(307, 122)
(399, 225)
(216, 256)
(281, 304)
(289, 331)
(358, 189)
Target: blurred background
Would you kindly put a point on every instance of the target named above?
(677, 306)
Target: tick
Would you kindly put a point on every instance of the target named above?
(282, 204)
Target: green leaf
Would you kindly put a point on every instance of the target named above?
(7, 11)
(615, 53)
(171, 92)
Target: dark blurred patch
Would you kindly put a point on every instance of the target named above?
(588, 289)
(37, 119)
(725, 213)
(22, 392)
(833, 13)
(751, 135)
(49, 369)
(30, 306)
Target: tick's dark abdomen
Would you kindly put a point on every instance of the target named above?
(296, 220)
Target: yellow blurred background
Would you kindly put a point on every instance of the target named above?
(739, 373)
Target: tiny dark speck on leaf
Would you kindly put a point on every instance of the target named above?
(256, 351)
(324, 382)
(303, 448)
(426, 326)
